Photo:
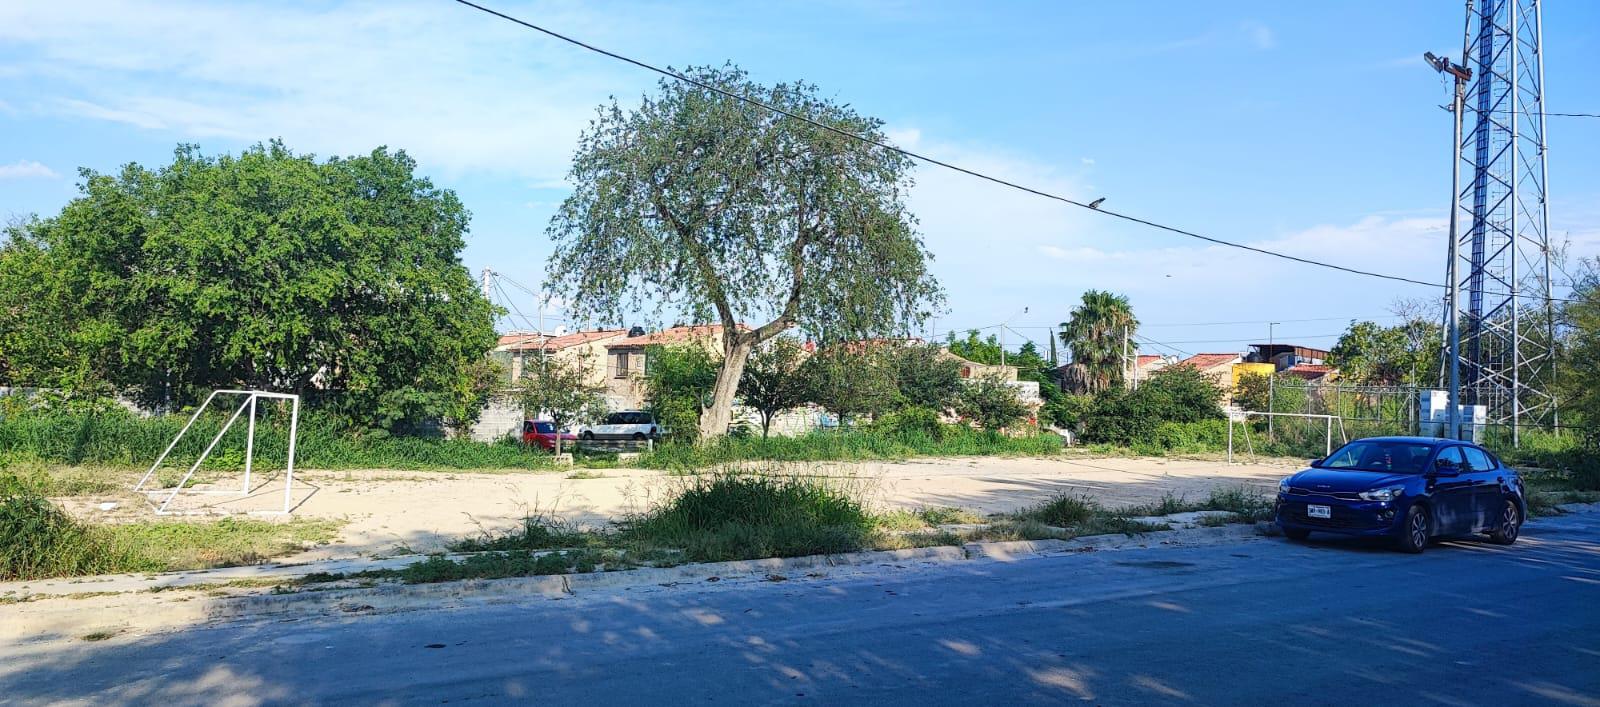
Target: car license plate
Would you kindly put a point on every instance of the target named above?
(1319, 511)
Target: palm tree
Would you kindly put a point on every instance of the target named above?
(1094, 336)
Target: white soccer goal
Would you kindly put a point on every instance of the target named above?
(1243, 416)
(250, 399)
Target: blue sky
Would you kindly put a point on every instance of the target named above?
(1311, 128)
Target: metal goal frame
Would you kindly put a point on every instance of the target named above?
(252, 397)
(1245, 415)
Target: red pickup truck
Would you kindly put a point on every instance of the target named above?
(543, 433)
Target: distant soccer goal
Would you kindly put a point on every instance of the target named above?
(249, 404)
(1242, 418)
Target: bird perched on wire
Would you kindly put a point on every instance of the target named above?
(1096, 203)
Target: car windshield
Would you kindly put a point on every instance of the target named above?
(544, 427)
(1392, 457)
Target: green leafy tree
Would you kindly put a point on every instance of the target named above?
(772, 381)
(1580, 377)
(990, 402)
(727, 212)
(677, 381)
(1174, 394)
(339, 279)
(923, 375)
(1095, 334)
(849, 381)
(561, 390)
(978, 350)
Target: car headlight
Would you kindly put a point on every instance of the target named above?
(1283, 487)
(1388, 494)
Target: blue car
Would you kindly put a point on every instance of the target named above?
(1411, 489)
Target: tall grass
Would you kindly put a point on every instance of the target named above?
(38, 540)
(120, 438)
(850, 445)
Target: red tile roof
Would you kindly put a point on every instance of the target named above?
(1148, 360)
(1207, 361)
(1309, 371)
(673, 335)
(532, 341)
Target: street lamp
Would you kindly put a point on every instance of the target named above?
(1003, 334)
(1462, 75)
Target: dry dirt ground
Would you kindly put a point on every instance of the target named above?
(394, 511)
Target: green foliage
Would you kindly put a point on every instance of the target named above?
(732, 213)
(261, 270)
(991, 403)
(1580, 376)
(1064, 510)
(772, 382)
(856, 444)
(849, 380)
(1097, 334)
(116, 437)
(1066, 410)
(978, 350)
(739, 517)
(38, 540)
(1406, 353)
(911, 422)
(1175, 394)
(677, 384)
(560, 390)
(924, 377)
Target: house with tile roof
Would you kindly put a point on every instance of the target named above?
(588, 347)
(627, 358)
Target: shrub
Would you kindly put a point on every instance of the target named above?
(1178, 394)
(738, 517)
(38, 540)
(991, 403)
(911, 421)
(1064, 511)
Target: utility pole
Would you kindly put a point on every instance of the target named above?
(1272, 379)
(1127, 371)
(1462, 75)
(485, 283)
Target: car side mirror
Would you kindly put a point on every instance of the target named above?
(1314, 463)
(1445, 469)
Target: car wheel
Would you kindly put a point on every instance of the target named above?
(1296, 534)
(1414, 531)
(638, 436)
(1510, 524)
(587, 436)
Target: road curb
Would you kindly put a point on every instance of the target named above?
(57, 618)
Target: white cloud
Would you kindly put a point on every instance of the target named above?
(457, 89)
(25, 169)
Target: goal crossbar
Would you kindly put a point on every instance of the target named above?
(1245, 415)
(251, 397)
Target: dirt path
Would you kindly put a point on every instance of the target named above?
(421, 511)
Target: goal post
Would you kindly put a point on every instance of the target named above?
(250, 405)
(1243, 416)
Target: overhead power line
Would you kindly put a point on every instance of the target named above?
(947, 165)
(930, 160)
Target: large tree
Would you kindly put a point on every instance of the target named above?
(1099, 334)
(337, 278)
(726, 212)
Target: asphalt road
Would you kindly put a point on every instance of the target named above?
(1251, 623)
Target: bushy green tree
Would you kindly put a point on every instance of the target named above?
(1580, 389)
(990, 402)
(339, 278)
(849, 380)
(677, 383)
(1174, 394)
(730, 213)
(561, 390)
(923, 375)
(772, 381)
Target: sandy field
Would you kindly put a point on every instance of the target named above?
(394, 511)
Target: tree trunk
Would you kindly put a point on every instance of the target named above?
(714, 419)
